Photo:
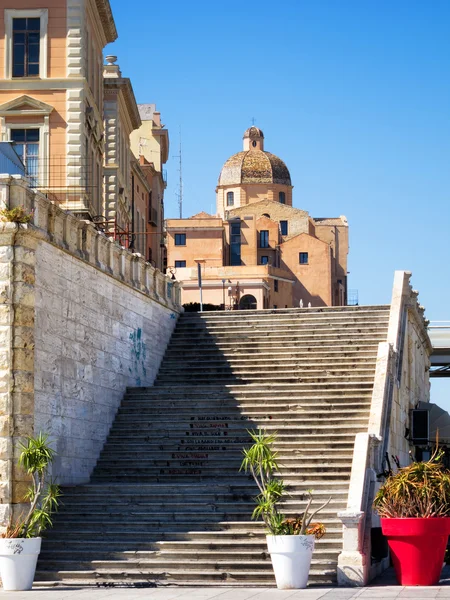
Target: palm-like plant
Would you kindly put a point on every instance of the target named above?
(43, 495)
(261, 461)
(420, 490)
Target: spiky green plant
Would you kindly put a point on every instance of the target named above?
(420, 490)
(43, 495)
(18, 214)
(261, 461)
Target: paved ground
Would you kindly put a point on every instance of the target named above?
(382, 588)
(374, 593)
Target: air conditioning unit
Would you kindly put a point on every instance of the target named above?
(420, 426)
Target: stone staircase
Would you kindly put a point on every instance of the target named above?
(166, 504)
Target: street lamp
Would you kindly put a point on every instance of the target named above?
(223, 292)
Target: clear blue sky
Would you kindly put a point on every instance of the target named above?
(354, 95)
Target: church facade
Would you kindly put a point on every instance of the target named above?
(258, 251)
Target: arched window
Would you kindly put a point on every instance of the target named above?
(230, 198)
(282, 197)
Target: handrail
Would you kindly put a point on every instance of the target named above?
(354, 560)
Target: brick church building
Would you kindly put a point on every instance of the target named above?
(258, 251)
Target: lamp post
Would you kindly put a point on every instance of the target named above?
(223, 292)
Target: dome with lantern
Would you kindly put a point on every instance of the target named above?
(254, 164)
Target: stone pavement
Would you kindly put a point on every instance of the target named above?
(369, 593)
(384, 587)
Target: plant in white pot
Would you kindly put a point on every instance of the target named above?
(21, 543)
(290, 541)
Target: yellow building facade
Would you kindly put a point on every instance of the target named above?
(258, 251)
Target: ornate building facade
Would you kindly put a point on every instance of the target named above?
(69, 118)
(259, 251)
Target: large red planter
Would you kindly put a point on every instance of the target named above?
(417, 548)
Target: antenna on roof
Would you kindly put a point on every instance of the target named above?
(180, 184)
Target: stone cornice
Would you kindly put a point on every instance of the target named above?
(123, 84)
(107, 20)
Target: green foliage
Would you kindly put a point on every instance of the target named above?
(18, 214)
(43, 495)
(420, 490)
(261, 461)
(195, 307)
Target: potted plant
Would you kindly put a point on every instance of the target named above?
(21, 543)
(414, 506)
(290, 541)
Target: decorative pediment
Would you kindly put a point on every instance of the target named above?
(25, 106)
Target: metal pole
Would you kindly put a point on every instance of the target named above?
(223, 292)
(199, 274)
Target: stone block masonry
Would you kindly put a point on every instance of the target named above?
(81, 318)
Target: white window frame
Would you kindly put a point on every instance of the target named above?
(44, 130)
(12, 13)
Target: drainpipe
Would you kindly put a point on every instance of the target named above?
(132, 214)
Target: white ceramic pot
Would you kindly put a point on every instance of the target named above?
(291, 559)
(18, 558)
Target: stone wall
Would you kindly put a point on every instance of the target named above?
(401, 381)
(80, 319)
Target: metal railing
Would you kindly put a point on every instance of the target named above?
(439, 332)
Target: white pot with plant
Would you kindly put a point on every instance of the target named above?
(290, 541)
(21, 543)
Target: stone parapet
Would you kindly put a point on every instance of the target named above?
(83, 240)
(81, 318)
(400, 382)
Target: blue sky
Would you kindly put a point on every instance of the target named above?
(354, 95)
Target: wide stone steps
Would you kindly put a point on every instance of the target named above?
(167, 504)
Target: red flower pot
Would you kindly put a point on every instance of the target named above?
(417, 548)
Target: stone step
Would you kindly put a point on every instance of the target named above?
(194, 565)
(117, 454)
(197, 509)
(85, 559)
(214, 462)
(137, 577)
(258, 372)
(296, 341)
(112, 530)
(284, 352)
(201, 476)
(286, 324)
(292, 336)
(251, 546)
(204, 441)
(243, 412)
(279, 312)
(156, 519)
(248, 392)
(237, 360)
(296, 426)
(307, 445)
(294, 383)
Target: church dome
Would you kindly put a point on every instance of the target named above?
(254, 166)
